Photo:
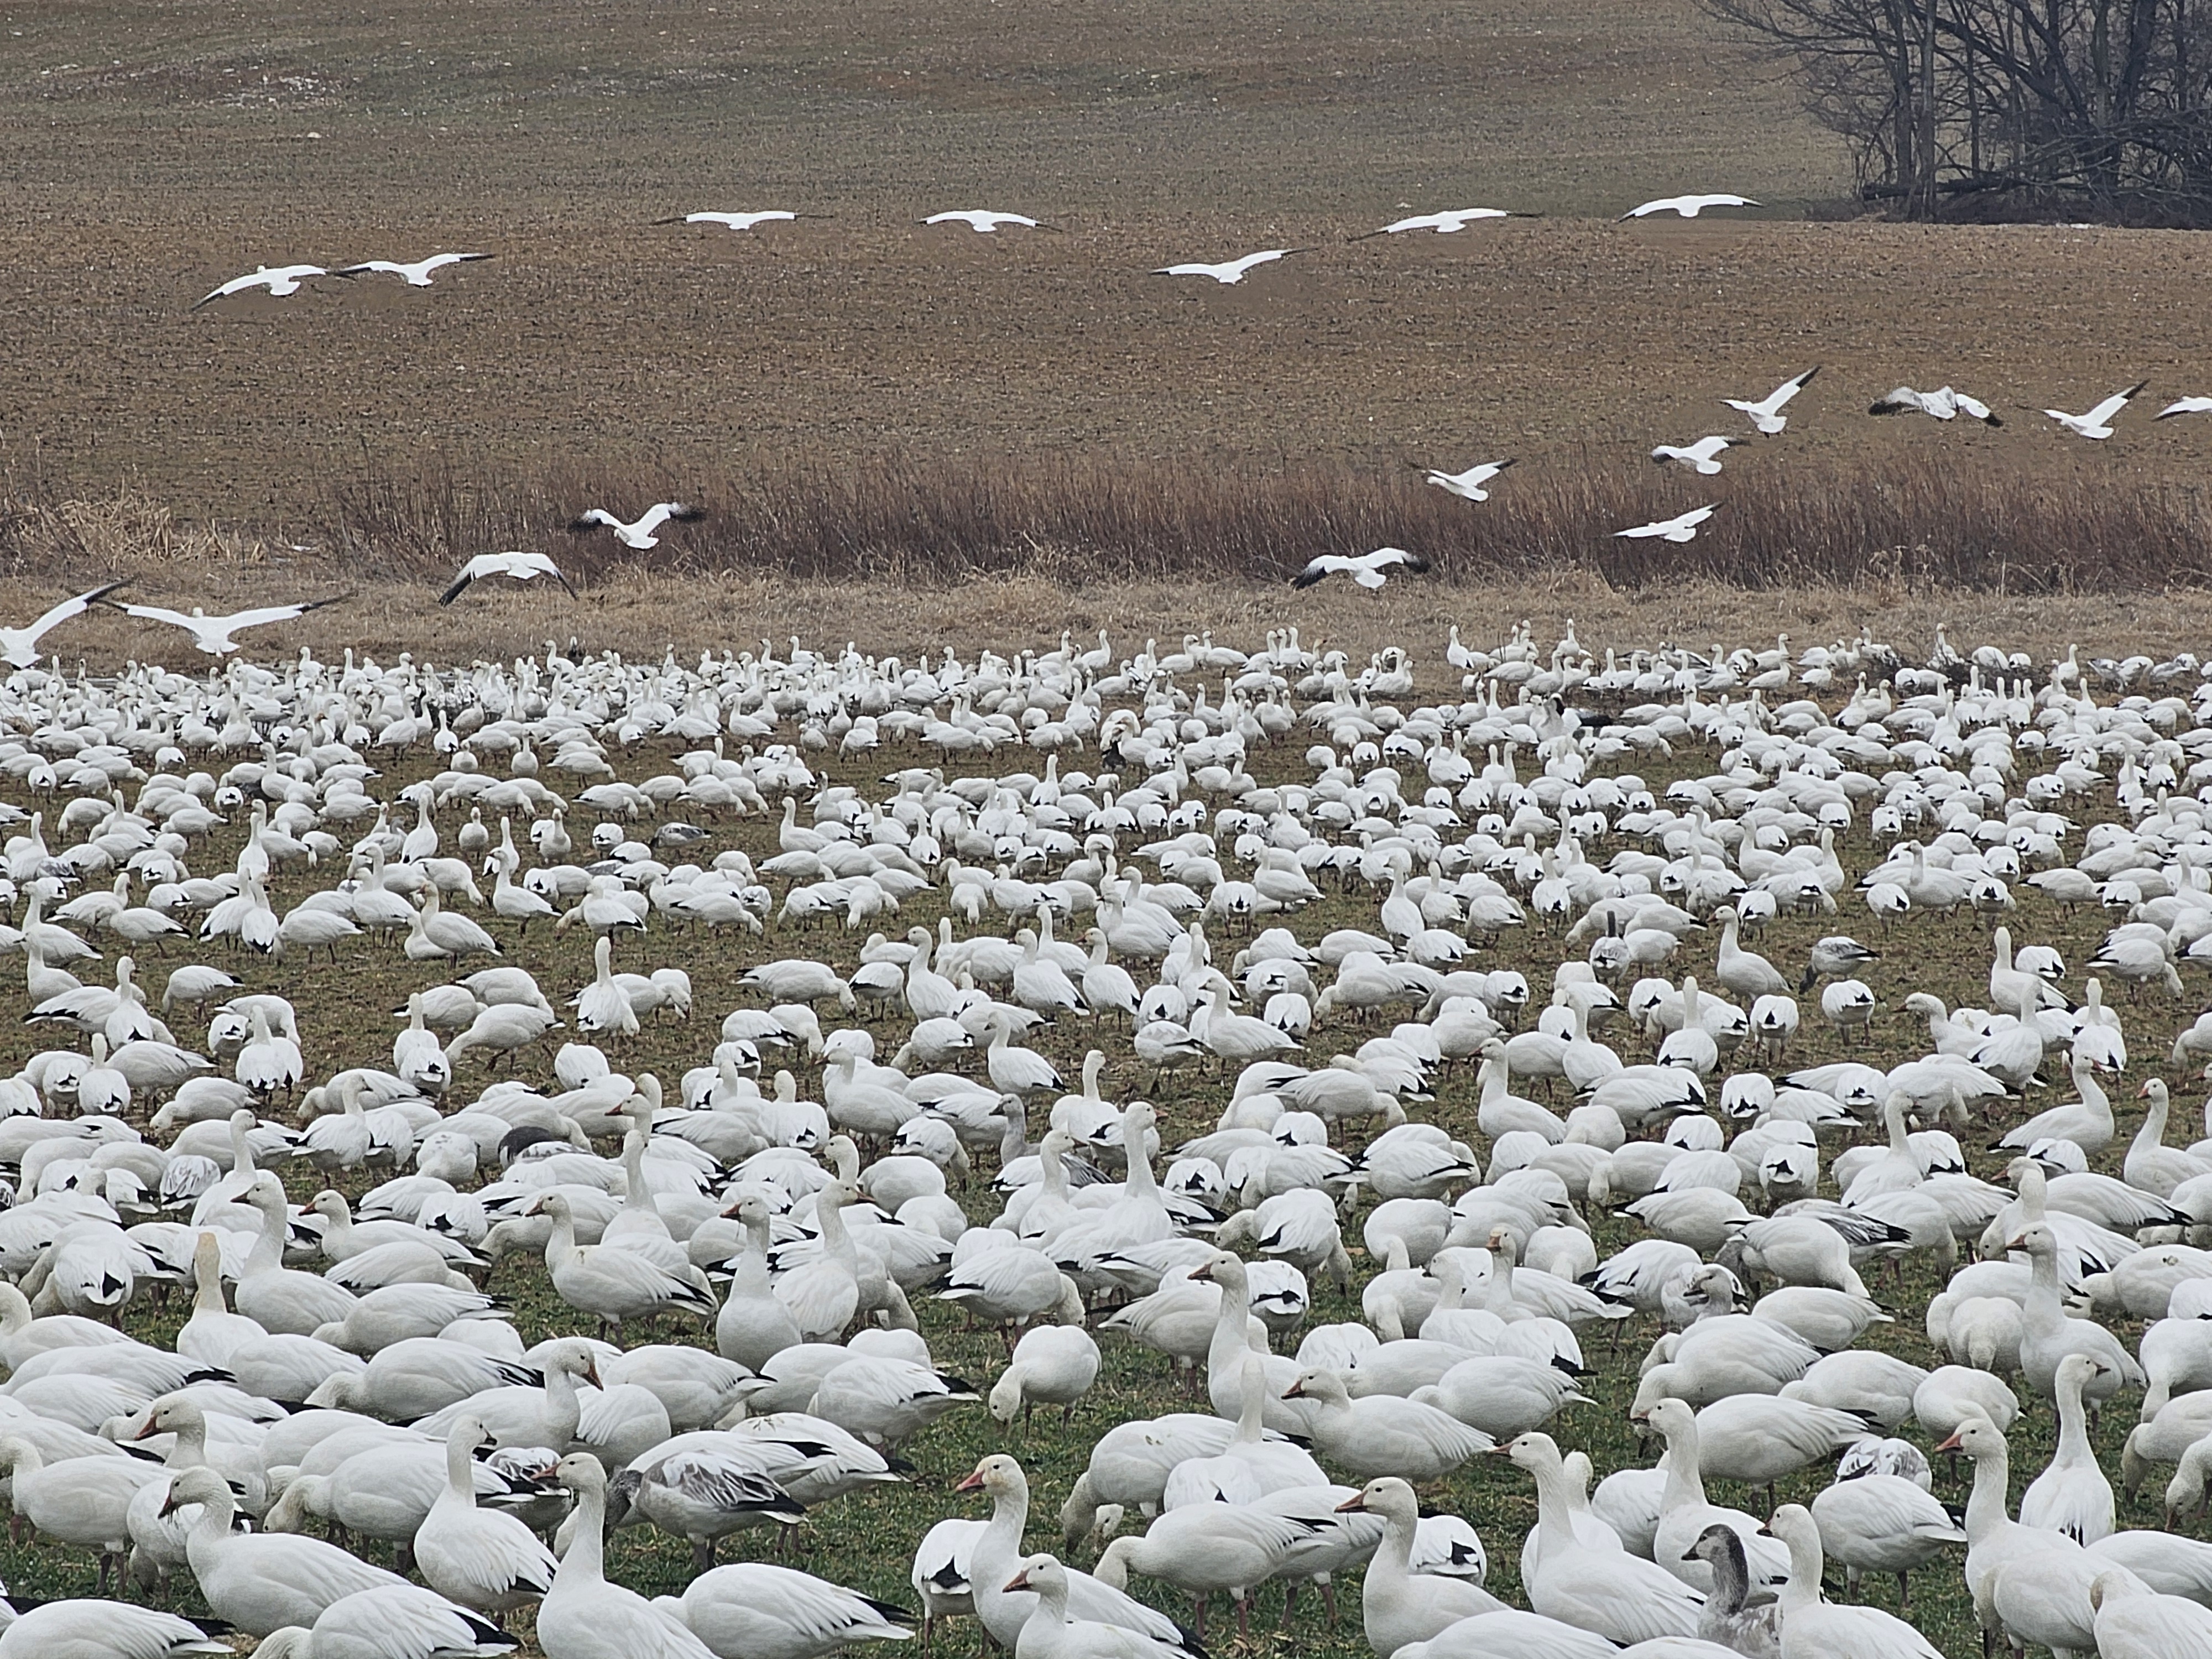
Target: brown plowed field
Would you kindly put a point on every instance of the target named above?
(156, 150)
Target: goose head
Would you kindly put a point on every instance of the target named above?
(998, 1475)
(1387, 1496)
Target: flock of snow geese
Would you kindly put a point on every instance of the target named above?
(1276, 893)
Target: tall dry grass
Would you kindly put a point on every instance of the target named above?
(1923, 521)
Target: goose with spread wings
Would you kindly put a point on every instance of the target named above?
(521, 566)
(640, 534)
(1688, 206)
(2098, 422)
(1683, 527)
(984, 221)
(739, 221)
(281, 281)
(1369, 570)
(1467, 485)
(1945, 403)
(18, 646)
(212, 634)
(1766, 414)
(1229, 272)
(1444, 223)
(415, 273)
(1704, 455)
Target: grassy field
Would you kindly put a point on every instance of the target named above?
(868, 1541)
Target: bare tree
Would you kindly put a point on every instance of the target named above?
(2101, 103)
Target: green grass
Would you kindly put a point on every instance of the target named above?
(866, 1540)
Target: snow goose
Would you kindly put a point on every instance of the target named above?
(1702, 457)
(639, 535)
(1945, 403)
(2133, 1620)
(701, 1494)
(2049, 1333)
(1049, 1632)
(1610, 1593)
(281, 281)
(1395, 1606)
(2056, 1615)
(753, 1610)
(480, 1557)
(1689, 207)
(415, 273)
(753, 1325)
(1229, 273)
(1812, 1628)
(1369, 570)
(1467, 485)
(541, 1411)
(212, 634)
(585, 1617)
(263, 1581)
(18, 646)
(1766, 413)
(84, 1501)
(2098, 422)
(1055, 1365)
(2151, 1166)
(1759, 1438)
(1250, 1466)
(1875, 1523)
(609, 1281)
(2087, 1122)
(87, 1629)
(942, 1562)
(2071, 1496)
(1754, 1632)
(1685, 1512)
(997, 1559)
(1202, 1548)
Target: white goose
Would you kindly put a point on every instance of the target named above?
(263, 1581)
(1612, 1593)
(1812, 1628)
(392, 1621)
(753, 1610)
(585, 1617)
(483, 1558)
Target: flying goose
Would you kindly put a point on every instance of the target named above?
(417, 274)
(18, 646)
(1369, 570)
(1444, 223)
(1229, 271)
(281, 281)
(2097, 423)
(1467, 485)
(1681, 528)
(1688, 206)
(1945, 404)
(522, 567)
(736, 221)
(1704, 454)
(213, 633)
(2184, 406)
(639, 535)
(984, 223)
(1766, 414)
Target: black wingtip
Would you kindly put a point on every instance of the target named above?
(456, 590)
(1307, 578)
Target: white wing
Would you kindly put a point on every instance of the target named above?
(68, 608)
(156, 613)
(2186, 407)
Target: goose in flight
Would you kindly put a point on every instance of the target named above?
(983, 222)
(1704, 454)
(281, 281)
(1229, 271)
(1369, 570)
(738, 220)
(1766, 414)
(523, 567)
(1443, 223)
(18, 646)
(2098, 422)
(1683, 528)
(2184, 406)
(639, 535)
(1945, 404)
(213, 633)
(1688, 206)
(418, 275)
(1467, 485)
